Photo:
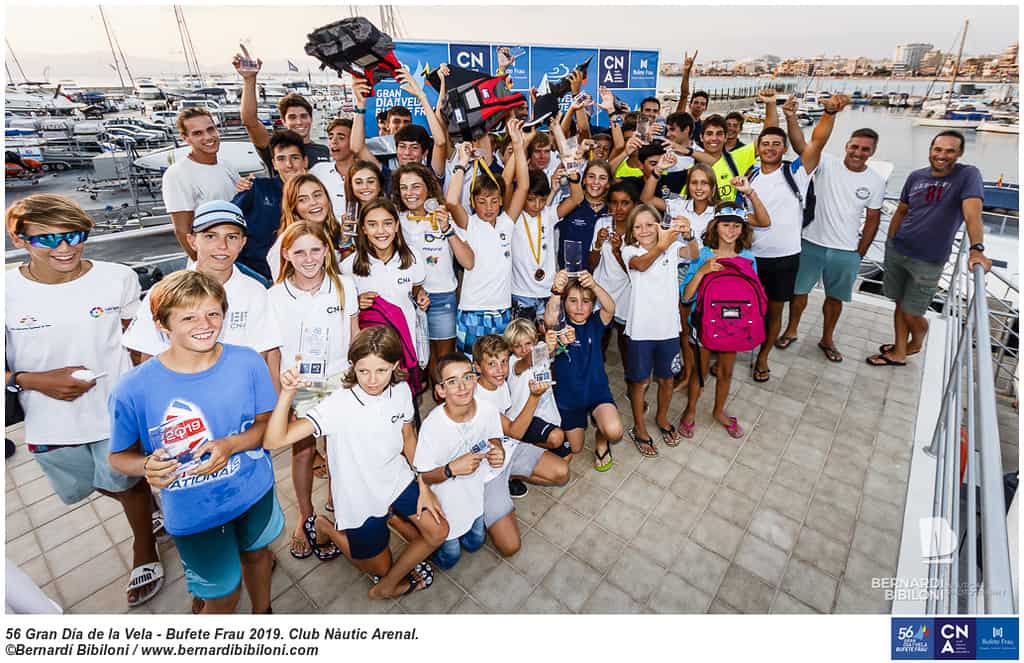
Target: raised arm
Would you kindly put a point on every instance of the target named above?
(357, 139)
(793, 130)
(684, 85)
(771, 113)
(453, 199)
(409, 84)
(607, 104)
(759, 216)
(575, 192)
(279, 432)
(515, 132)
(607, 303)
(258, 133)
(665, 240)
(553, 310)
(822, 131)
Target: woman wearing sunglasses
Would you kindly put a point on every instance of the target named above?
(63, 326)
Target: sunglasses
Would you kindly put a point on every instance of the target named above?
(732, 211)
(53, 240)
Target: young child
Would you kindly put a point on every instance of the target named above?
(544, 431)
(728, 235)
(371, 444)
(223, 514)
(311, 295)
(581, 383)
(652, 256)
(485, 305)
(606, 264)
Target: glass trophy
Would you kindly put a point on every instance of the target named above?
(349, 223)
(541, 363)
(573, 251)
(643, 130)
(313, 352)
(179, 435)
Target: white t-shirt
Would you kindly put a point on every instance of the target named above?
(488, 286)
(698, 222)
(609, 274)
(524, 261)
(653, 296)
(441, 441)
(188, 184)
(501, 400)
(334, 182)
(77, 323)
(475, 169)
(390, 281)
(519, 385)
(438, 259)
(782, 237)
(249, 320)
(842, 196)
(295, 309)
(364, 450)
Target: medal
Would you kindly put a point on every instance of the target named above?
(539, 275)
(535, 249)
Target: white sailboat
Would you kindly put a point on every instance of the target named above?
(942, 118)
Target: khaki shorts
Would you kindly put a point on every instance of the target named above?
(910, 282)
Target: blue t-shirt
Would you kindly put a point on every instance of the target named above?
(220, 401)
(702, 257)
(261, 206)
(934, 211)
(580, 378)
(578, 225)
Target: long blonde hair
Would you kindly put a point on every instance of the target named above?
(290, 201)
(331, 268)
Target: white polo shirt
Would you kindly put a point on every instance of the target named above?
(698, 222)
(438, 259)
(524, 261)
(653, 296)
(488, 286)
(547, 409)
(782, 237)
(295, 309)
(390, 281)
(334, 182)
(249, 320)
(441, 441)
(609, 274)
(187, 184)
(842, 196)
(364, 449)
(501, 400)
(77, 323)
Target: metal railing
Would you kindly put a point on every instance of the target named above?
(969, 409)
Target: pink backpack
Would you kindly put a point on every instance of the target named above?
(383, 313)
(730, 309)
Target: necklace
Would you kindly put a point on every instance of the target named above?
(33, 277)
(315, 286)
(535, 249)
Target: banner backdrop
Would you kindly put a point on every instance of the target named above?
(630, 75)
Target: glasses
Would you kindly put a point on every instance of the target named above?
(53, 240)
(468, 379)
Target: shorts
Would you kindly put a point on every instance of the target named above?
(529, 308)
(645, 356)
(573, 418)
(778, 276)
(76, 470)
(213, 566)
(371, 538)
(497, 501)
(441, 316)
(471, 325)
(537, 432)
(449, 552)
(836, 268)
(910, 282)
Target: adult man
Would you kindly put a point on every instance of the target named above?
(933, 204)
(333, 173)
(296, 115)
(846, 191)
(397, 117)
(782, 188)
(198, 178)
(733, 127)
(649, 108)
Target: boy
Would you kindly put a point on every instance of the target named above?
(215, 400)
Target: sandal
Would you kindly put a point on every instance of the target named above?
(784, 342)
(323, 551)
(686, 429)
(762, 375)
(886, 348)
(600, 462)
(831, 353)
(299, 548)
(151, 575)
(883, 360)
(319, 466)
(734, 429)
(669, 436)
(422, 572)
(640, 443)
(158, 527)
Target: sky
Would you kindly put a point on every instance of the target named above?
(72, 42)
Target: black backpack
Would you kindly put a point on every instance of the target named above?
(807, 203)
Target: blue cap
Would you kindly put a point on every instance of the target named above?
(215, 213)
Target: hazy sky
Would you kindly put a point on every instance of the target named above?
(69, 37)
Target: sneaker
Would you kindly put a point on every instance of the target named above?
(517, 488)
(9, 448)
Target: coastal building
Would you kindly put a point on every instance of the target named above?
(907, 59)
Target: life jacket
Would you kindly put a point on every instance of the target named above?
(480, 106)
(354, 45)
(730, 309)
(383, 313)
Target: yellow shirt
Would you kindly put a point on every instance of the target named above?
(625, 170)
(744, 157)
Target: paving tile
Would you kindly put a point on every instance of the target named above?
(473, 568)
(810, 458)
(762, 559)
(597, 547)
(91, 576)
(621, 519)
(117, 528)
(746, 481)
(830, 520)
(12, 502)
(561, 525)
(898, 469)
(719, 607)
(881, 515)
(787, 502)
(842, 495)
(608, 599)
(354, 599)
(760, 460)
(794, 477)
(822, 417)
(745, 592)
(733, 506)
(324, 582)
(853, 602)
(709, 465)
(536, 557)
(24, 473)
(675, 596)
(68, 526)
(35, 490)
(787, 605)
(658, 541)
(661, 471)
(693, 487)
(809, 585)
(717, 535)
(37, 569)
(699, 567)
(774, 528)
(844, 468)
(533, 506)
(640, 493)
(821, 551)
(881, 546)
(586, 497)
(636, 574)
(68, 555)
(541, 602)
(293, 602)
(48, 509)
(502, 590)
(22, 549)
(572, 582)
(784, 404)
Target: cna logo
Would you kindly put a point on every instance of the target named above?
(954, 638)
(912, 639)
(96, 311)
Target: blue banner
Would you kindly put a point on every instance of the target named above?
(643, 69)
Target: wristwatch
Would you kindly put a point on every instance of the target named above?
(574, 180)
(448, 472)
(448, 234)
(459, 167)
(978, 247)
(359, 111)
(689, 238)
(12, 383)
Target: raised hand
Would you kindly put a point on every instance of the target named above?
(586, 280)
(607, 103)
(561, 280)
(790, 107)
(766, 95)
(688, 60)
(836, 103)
(515, 131)
(360, 91)
(741, 184)
(244, 66)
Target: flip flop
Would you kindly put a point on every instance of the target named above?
(831, 353)
(883, 360)
(640, 442)
(766, 373)
(686, 429)
(296, 547)
(734, 429)
(602, 465)
(886, 348)
(323, 551)
(151, 574)
(669, 436)
(784, 342)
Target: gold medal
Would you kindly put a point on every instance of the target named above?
(534, 248)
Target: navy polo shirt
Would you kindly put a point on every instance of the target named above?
(261, 206)
(578, 225)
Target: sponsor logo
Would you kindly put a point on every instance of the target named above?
(333, 309)
(431, 260)
(862, 193)
(614, 68)
(237, 319)
(404, 280)
(398, 417)
(997, 638)
(954, 638)
(27, 320)
(470, 56)
(192, 480)
(96, 311)
(912, 639)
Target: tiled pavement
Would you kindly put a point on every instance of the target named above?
(796, 517)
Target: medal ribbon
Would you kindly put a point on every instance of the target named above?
(526, 225)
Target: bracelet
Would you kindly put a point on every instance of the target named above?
(828, 112)
(574, 181)
(359, 111)
(459, 166)
(689, 238)
(448, 234)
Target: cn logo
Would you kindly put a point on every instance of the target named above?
(614, 68)
(471, 56)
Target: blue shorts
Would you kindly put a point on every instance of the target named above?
(645, 356)
(371, 538)
(472, 325)
(836, 268)
(449, 552)
(76, 470)
(213, 566)
(529, 308)
(537, 432)
(441, 316)
(576, 417)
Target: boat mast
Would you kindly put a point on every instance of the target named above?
(956, 67)
(113, 53)
(15, 58)
(191, 62)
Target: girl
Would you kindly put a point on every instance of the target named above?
(371, 446)
(652, 256)
(305, 198)
(606, 262)
(432, 236)
(581, 383)
(485, 306)
(728, 235)
(311, 294)
(364, 182)
(579, 222)
(384, 265)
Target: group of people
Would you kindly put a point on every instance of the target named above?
(323, 300)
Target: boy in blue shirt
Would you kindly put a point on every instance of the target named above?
(191, 420)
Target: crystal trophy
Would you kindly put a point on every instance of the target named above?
(179, 435)
(349, 222)
(573, 251)
(313, 351)
(541, 363)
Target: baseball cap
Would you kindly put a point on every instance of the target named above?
(731, 213)
(215, 213)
